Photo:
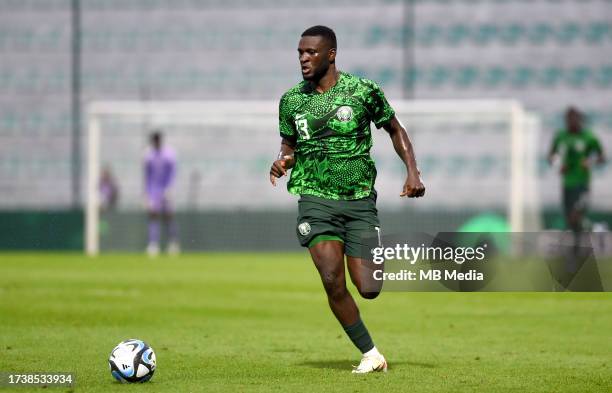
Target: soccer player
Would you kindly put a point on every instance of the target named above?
(109, 190)
(325, 129)
(159, 174)
(576, 145)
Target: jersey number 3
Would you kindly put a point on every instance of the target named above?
(302, 126)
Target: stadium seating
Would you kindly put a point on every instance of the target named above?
(219, 49)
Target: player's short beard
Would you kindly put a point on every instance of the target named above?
(317, 75)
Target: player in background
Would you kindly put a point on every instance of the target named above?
(575, 145)
(109, 190)
(326, 139)
(159, 174)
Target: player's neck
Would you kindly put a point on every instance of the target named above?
(328, 80)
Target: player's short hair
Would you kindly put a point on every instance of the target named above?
(322, 31)
(572, 110)
(156, 135)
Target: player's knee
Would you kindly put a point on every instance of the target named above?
(330, 280)
(369, 295)
(333, 285)
(367, 288)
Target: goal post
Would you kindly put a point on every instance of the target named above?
(524, 131)
(474, 155)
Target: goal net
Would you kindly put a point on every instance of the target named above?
(476, 157)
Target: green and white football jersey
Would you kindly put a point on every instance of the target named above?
(331, 131)
(574, 148)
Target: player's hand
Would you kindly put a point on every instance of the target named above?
(280, 167)
(168, 195)
(413, 187)
(586, 163)
(147, 204)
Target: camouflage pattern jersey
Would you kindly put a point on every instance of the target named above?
(331, 132)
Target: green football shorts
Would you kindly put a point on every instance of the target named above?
(575, 199)
(350, 222)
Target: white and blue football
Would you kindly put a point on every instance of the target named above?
(132, 361)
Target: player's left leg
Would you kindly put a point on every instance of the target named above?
(578, 217)
(171, 229)
(362, 278)
(361, 272)
(575, 205)
(581, 210)
(362, 234)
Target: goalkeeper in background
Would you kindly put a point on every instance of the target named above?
(575, 145)
(159, 173)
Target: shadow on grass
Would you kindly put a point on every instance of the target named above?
(348, 364)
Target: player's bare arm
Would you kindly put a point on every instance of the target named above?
(551, 154)
(600, 157)
(283, 162)
(413, 186)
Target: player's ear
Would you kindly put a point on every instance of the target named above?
(332, 55)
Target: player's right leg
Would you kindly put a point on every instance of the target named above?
(575, 204)
(171, 226)
(328, 257)
(320, 229)
(154, 233)
(154, 224)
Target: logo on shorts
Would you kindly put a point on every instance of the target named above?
(304, 228)
(344, 113)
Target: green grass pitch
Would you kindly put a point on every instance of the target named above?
(260, 323)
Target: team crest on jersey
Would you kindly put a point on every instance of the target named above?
(344, 113)
(579, 146)
(304, 228)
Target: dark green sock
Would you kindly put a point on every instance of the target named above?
(359, 335)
